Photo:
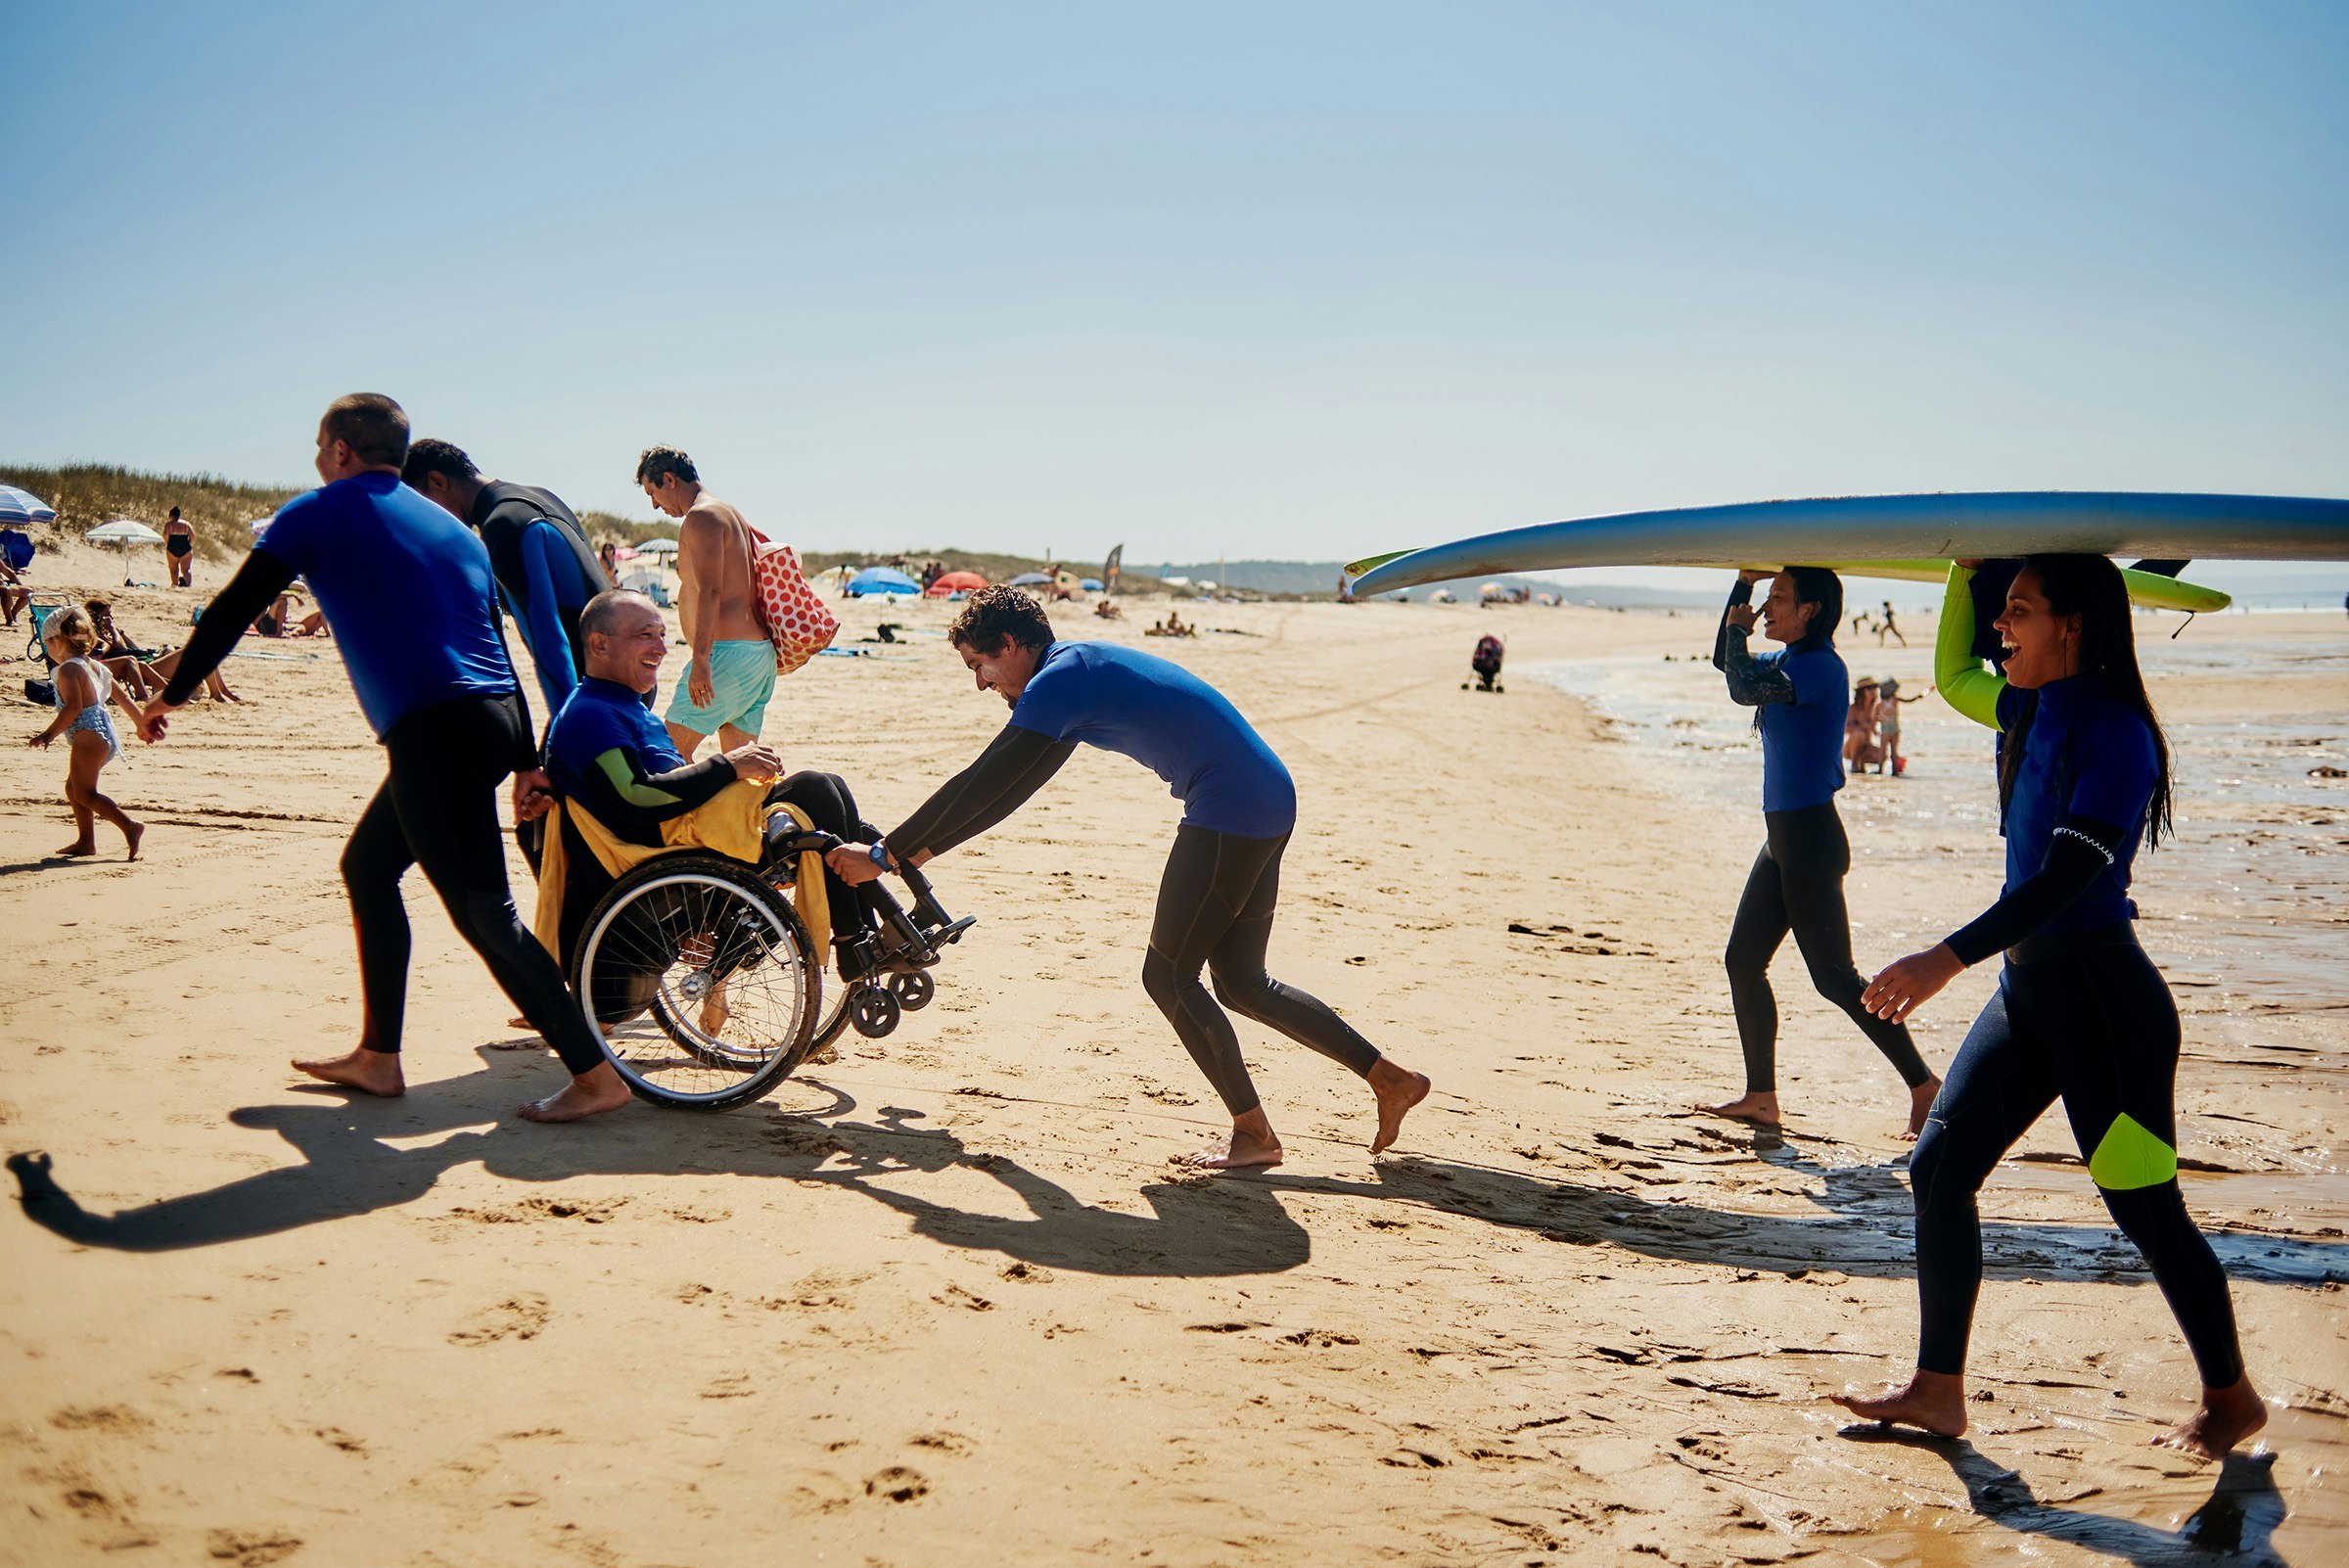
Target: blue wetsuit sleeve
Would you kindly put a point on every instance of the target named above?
(1752, 683)
(549, 643)
(616, 790)
(1016, 763)
(257, 582)
(2080, 850)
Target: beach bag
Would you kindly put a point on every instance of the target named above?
(17, 548)
(794, 619)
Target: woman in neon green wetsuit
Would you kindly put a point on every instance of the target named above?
(2081, 1014)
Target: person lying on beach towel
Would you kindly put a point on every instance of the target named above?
(1222, 880)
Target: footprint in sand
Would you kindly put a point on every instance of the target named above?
(896, 1484)
(518, 1317)
(251, 1548)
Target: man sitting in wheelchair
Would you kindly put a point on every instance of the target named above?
(607, 755)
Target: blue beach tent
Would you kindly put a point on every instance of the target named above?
(880, 579)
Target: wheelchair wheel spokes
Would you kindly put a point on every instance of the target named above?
(721, 965)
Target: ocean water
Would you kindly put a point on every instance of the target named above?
(2249, 902)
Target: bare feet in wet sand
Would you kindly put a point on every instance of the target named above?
(1934, 1402)
(1398, 1090)
(2225, 1417)
(1760, 1109)
(1920, 1106)
(368, 1072)
(131, 836)
(75, 850)
(599, 1089)
(1253, 1148)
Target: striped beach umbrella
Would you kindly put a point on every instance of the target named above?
(22, 506)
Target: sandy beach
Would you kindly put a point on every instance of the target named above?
(942, 1301)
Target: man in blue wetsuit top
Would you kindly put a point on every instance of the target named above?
(607, 752)
(409, 594)
(545, 569)
(1222, 880)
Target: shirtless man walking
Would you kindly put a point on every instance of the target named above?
(732, 672)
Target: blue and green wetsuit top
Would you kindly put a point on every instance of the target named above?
(2088, 768)
(606, 751)
(2083, 787)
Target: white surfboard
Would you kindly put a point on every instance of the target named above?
(1857, 528)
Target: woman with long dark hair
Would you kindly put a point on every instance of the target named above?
(2080, 1013)
(1800, 697)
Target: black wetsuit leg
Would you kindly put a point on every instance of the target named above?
(831, 807)
(1797, 884)
(1214, 910)
(2098, 1029)
(438, 809)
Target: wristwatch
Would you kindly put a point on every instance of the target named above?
(880, 855)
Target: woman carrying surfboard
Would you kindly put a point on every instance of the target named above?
(1800, 697)
(2080, 1013)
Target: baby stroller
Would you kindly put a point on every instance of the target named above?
(1486, 663)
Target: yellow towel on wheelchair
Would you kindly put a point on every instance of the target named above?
(732, 823)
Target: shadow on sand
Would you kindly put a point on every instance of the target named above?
(2235, 1525)
(362, 1155)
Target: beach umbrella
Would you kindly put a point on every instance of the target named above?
(659, 544)
(22, 506)
(881, 580)
(1090, 585)
(1030, 579)
(123, 532)
(948, 582)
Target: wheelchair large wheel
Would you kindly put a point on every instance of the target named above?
(698, 979)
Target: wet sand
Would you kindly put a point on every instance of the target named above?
(942, 1301)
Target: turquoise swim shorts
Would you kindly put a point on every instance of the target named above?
(742, 677)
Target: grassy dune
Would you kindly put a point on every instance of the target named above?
(86, 494)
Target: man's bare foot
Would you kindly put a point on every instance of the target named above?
(1240, 1154)
(1932, 1401)
(131, 836)
(599, 1089)
(1398, 1090)
(75, 850)
(1920, 1106)
(522, 1024)
(368, 1072)
(1760, 1109)
(2225, 1417)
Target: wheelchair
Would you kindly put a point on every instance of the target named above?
(701, 981)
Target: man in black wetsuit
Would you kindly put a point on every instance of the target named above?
(1223, 879)
(546, 570)
(409, 596)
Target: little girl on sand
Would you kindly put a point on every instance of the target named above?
(83, 686)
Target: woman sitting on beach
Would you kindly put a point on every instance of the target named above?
(1799, 699)
(1859, 727)
(83, 689)
(2081, 1013)
(143, 671)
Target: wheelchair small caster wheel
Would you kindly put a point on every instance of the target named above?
(913, 989)
(874, 1011)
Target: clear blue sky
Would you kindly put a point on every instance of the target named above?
(1298, 281)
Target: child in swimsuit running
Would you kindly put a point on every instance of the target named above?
(83, 687)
